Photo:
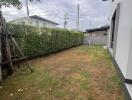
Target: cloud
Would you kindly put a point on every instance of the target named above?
(93, 13)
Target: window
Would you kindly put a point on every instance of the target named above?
(113, 29)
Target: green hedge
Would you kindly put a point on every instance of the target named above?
(40, 42)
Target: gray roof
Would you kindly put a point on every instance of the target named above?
(103, 28)
(43, 19)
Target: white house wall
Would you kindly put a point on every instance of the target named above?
(47, 24)
(33, 22)
(129, 65)
(112, 10)
(123, 51)
(124, 33)
(51, 25)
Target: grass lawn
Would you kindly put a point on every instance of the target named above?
(80, 73)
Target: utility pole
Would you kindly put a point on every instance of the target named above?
(78, 16)
(65, 23)
(65, 20)
(27, 7)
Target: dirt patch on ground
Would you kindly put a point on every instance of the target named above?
(81, 73)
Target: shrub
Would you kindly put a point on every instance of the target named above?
(40, 42)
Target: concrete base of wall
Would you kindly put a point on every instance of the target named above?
(95, 40)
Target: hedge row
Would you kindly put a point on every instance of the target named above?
(40, 42)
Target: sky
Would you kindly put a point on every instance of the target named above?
(93, 13)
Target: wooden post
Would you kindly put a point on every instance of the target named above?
(17, 46)
(0, 61)
(5, 47)
(0, 55)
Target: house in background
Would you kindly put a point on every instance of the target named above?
(98, 31)
(96, 35)
(35, 21)
(120, 41)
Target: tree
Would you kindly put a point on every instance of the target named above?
(5, 48)
(15, 3)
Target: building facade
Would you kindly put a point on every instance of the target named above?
(120, 40)
(35, 21)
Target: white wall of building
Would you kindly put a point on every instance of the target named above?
(39, 23)
(129, 65)
(124, 36)
(123, 51)
(124, 33)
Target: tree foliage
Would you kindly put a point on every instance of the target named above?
(8, 3)
(15, 3)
